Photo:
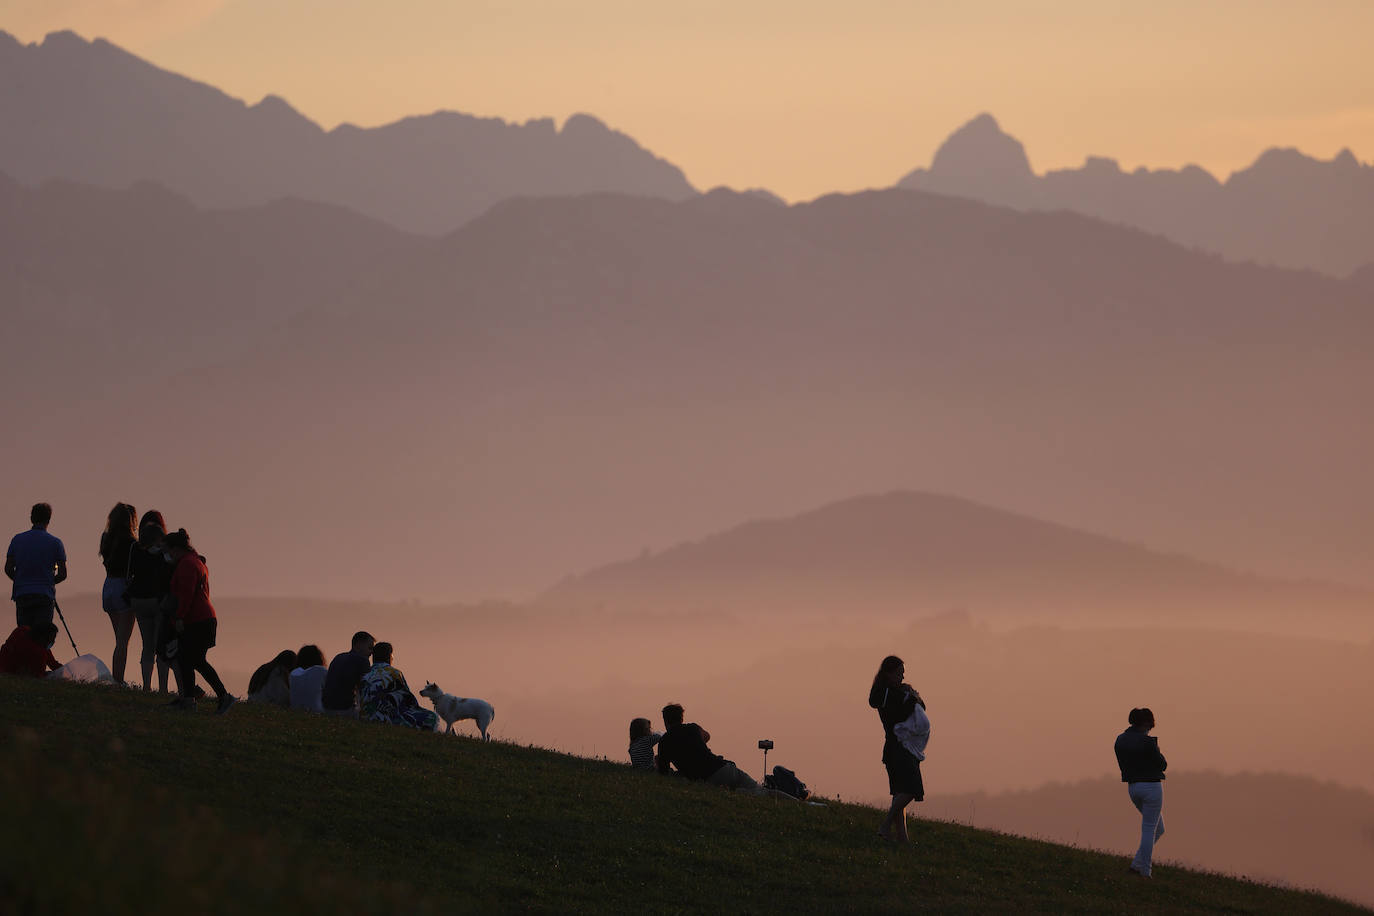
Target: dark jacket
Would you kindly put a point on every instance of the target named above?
(894, 704)
(683, 747)
(1138, 756)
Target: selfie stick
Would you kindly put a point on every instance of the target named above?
(73, 641)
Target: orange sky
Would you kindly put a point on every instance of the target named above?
(801, 96)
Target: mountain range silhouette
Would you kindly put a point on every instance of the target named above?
(92, 112)
(1286, 209)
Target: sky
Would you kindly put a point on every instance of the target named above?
(799, 96)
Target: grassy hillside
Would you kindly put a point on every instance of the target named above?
(119, 805)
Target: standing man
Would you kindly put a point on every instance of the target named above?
(36, 561)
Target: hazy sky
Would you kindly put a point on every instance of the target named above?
(800, 96)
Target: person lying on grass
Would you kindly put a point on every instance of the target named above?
(683, 747)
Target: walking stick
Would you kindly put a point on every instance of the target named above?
(65, 627)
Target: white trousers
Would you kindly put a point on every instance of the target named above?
(1148, 798)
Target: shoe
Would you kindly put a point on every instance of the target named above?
(186, 704)
(225, 702)
(200, 692)
(175, 700)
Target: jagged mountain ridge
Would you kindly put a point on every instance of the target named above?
(91, 112)
(1286, 209)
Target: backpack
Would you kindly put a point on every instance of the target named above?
(784, 780)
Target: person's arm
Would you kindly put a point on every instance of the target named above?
(60, 573)
(705, 735)
(52, 662)
(662, 761)
(1159, 758)
(10, 568)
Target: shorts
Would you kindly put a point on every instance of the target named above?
(112, 599)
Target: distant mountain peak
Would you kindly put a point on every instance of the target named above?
(981, 147)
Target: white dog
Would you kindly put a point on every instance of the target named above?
(455, 709)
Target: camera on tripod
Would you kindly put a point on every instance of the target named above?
(766, 744)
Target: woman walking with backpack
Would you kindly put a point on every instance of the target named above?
(116, 548)
(194, 621)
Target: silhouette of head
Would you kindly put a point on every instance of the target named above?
(40, 515)
(120, 521)
(178, 541)
(672, 714)
(381, 652)
(363, 642)
(639, 728)
(152, 517)
(309, 657)
(285, 659)
(1142, 718)
(890, 672)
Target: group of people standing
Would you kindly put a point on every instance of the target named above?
(154, 579)
(360, 683)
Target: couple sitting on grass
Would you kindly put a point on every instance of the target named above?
(360, 683)
(683, 748)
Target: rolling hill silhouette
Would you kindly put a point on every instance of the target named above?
(89, 111)
(1286, 209)
(564, 380)
(909, 553)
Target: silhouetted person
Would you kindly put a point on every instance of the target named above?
(36, 562)
(307, 680)
(684, 748)
(895, 701)
(150, 580)
(116, 554)
(642, 741)
(194, 621)
(384, 695)
(340, 694)
(271, 682)
(1142, 768)
(28, 651)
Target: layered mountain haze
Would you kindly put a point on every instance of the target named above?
(1286, 209)
(91, 112)
(563, 381)
(911, 554)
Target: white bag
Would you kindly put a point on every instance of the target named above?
(83, 668)
(914, 732)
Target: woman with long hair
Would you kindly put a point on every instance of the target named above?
(149, 580)
(894, 699)
(194, 621)
(116, 550)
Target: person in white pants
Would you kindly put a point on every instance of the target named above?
(1142, 769)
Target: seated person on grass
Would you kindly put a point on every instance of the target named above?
(340, 694)
(28, 651)
(642, 741)
(385, 697)
(270, 682)
(684, 747)
(307, 680)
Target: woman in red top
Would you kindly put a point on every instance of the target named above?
(28, 651)
(194, 621)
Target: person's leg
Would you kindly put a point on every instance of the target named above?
(204, 632)
(190, 654)
(894, 825)
(1148, 797)
(123, 624)
(31, 610)
(146, 618)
